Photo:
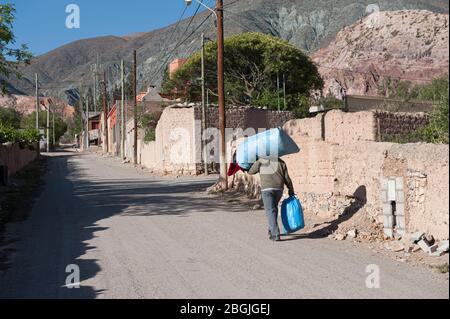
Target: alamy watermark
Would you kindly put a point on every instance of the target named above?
(73, 279)
(373, 279)
(73, 19)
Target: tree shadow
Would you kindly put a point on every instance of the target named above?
(63, 227)
(360, 197)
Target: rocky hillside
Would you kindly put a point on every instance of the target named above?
(409, 45)
(27, 104)
(308, 24)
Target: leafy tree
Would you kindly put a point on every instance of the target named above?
(10, 58)
(29, 122)
(10, 118)
(253, 62)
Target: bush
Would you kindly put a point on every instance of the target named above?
(148, 123)
(26, 137)
(436, 132)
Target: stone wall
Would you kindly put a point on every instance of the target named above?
(392, 124)
(16, 158)
(340, 164)
(245, 117)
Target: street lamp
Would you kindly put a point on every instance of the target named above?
(218, 13)
(189, 2)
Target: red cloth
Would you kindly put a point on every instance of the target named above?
(234, 168)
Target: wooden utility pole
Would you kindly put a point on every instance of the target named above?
(105, 115)
(122, 111)
(204, 124)
(284, 91)
(87, 124)
(278, 91)
(221, 92)
(81, 117)
(54, 136)
(37, 102)
(37, 116)
(48, 129)
(95, 86)
(135, 159)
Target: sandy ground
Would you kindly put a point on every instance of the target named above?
(136, 236)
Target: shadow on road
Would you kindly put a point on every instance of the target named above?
(76, 197)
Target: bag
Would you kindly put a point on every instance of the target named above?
(269, 144)
(292, 215)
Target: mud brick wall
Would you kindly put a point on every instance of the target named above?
(336, 167)
(16, 158)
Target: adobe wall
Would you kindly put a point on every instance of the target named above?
(16, 158)
(177, 149)
(340, 162)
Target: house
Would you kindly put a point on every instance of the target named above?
(175, 65)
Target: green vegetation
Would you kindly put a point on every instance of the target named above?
(437, 131)
(443, 268)
(149, 122)
(27, 137)
(10, 58)
(253, 63)
(29, 122)
(16, 128)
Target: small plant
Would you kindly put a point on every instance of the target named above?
(443, 268)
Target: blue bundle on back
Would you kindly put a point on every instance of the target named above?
(274, 143)
(292, 215)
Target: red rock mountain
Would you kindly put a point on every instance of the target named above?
(27, 104)
(409, 44)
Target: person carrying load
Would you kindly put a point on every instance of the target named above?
(274, 177)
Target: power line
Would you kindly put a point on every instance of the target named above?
(161, 67)
(164, 64)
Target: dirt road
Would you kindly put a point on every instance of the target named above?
(136, 236)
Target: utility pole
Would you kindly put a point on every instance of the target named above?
(87, 124)
(48, 129)
(135, 107)
(105, 115)
(95, 86)
(221, 92)
(37, 102)
(81, 117)
(204, 124)
(284, 91)
(278, 91)
(54, 136)
(122, 111)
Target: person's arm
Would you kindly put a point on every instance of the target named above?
(288, 181)
(255, 168)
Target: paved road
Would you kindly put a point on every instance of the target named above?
(136, 236)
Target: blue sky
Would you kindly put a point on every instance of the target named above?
(41, 24)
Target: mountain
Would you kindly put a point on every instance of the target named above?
(308, 24)
(409, 45)
(27, 104)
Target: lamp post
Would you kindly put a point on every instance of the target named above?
(218, 13)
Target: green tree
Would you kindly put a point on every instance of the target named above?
(10, 118)
(253, 63)
(10, 57)
(29, 122)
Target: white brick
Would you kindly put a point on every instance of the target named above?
(400, 210)
(388, 221)
(400, 197)
(399, 183)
